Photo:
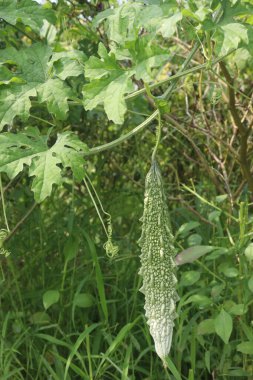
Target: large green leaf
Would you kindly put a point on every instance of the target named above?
(233, 34)
(27, 11)
(15, 100)
(68, 63)
(232, 10)
(56, 94)
(245, 348)
(110, 80)
(35, 68)
(109, 83)
(31, 149)
(169, 25)
(32, 62)
(124, 23)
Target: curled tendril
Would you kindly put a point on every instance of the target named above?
(3, 235)
(110, 249)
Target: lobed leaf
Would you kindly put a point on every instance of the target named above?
(29, 12)
(31, 149)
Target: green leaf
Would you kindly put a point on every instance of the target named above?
(68, 63)
(50, 298)
(124, 23)
(238, 309)
(169, 25)
(173, 368)
(250, 284)
(56, 94)
(71, 248)
(233, 34)
(189, 278)
(31, 149)
(206, 327)
(145, 56)
(32, 62)
(216, 290)
(40, 318)
(35, 68)
(108, 86)
(230, 11)
(121, 22)
(15, 101)
(245, 348)
(186, 227)
(231, 272)
(194, 239)
(27, 11)
(46, 171)
(110, 79)
(199, 299)
(7, 76)
(223, 326)
(68, 148)
(84, 300)
(239, 372)
(249, 252)
(99, 275)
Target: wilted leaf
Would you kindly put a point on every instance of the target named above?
(192, 253)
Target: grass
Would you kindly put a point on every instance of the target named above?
(97, 329)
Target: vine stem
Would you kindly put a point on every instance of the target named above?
(146, 122)
(158, 136)
(3, 205)
(125, 137)
(12, 232)
(95, 205)
(188, 59)
(182, 72)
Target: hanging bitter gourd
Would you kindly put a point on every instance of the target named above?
(157, 263)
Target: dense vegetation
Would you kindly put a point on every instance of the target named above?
(89, 91)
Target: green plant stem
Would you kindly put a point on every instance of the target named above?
(95, 205)
(141, 126)
(209, 271)
(42, 120)
(3, 205)
(89, 354)
(21, 31)
(158, 136)
(188, 59)
(180, 74)
(125, 137)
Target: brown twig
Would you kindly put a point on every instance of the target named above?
(242, 129)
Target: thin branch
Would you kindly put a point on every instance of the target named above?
(180, 74)
(12, 232)
(242, 129)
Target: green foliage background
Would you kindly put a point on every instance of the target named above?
(75, 75)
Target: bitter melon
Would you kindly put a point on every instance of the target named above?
(157, 263)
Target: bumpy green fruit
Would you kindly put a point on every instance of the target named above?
(157, 263)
